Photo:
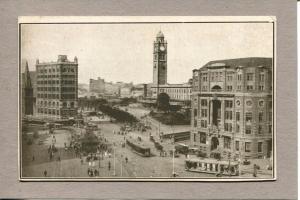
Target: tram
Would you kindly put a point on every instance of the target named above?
(138, 148)
(212, 166)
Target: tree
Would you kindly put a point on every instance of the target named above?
(163, 102)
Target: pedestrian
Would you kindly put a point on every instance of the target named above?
(81, 161)
(254, 170)
(32, 158)
(126, 159)
(45, 173)
(58, 158)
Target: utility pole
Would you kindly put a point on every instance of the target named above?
(173, 162)
(114, 161)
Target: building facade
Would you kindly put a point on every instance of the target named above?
(57, 88)
(180, 92)
(232, 108)
(97, 85)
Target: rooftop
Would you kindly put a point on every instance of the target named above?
(240, 62)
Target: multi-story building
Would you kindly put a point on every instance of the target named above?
(97, 86)
(232, 107)
(57, 88)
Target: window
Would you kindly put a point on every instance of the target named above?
(237, 145)
(228, 127)
(248, 129)
(228, 104)
(195, 112)
(260, 116)
(203, 112)
(247, 146)
(259, 147)
(228, 115)
(270, 128)
(237, 116)
(239, 87)
(261, 77)
(229, 87)
(261, 87)
(259, 129)
(195, 122)
(229, 78)
(203, 123)
(202, 138)
(227, 142)
(239, 77)
(249, 87)
(203, 102)
(194, 137)
(249, 76)
(248, 116)
(237, 128)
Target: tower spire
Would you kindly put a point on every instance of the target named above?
(27, 79)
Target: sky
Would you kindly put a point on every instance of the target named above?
(124, 52)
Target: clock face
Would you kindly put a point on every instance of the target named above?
(162, 48)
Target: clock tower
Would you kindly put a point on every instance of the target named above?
(160, 60)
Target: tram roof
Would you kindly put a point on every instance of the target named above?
(212, 161)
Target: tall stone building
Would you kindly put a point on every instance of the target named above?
(232, 107)
(27, 100)
(178, 92)
(160, 60)
(57, 88)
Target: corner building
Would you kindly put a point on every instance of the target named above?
(57, 88)
(232, 108)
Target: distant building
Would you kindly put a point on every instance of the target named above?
(125, 92)
(180, 92)
(112, 89)
(97, 86)
(57, 88)
(232, 107)
(139, 91)
(27, 100)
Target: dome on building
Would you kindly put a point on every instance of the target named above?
(160, 34)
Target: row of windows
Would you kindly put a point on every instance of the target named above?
(229, 103)
(218, 76)
(55, 104)
(56, 82)
(48, 111)
(228, 115)
(181, 90)
(49, 96)
(51, 89)
(238, 88)
(227, 143)
(53, 70)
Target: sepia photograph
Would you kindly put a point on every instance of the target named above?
(147, 98)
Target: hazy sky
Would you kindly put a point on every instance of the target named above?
(124, 52)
